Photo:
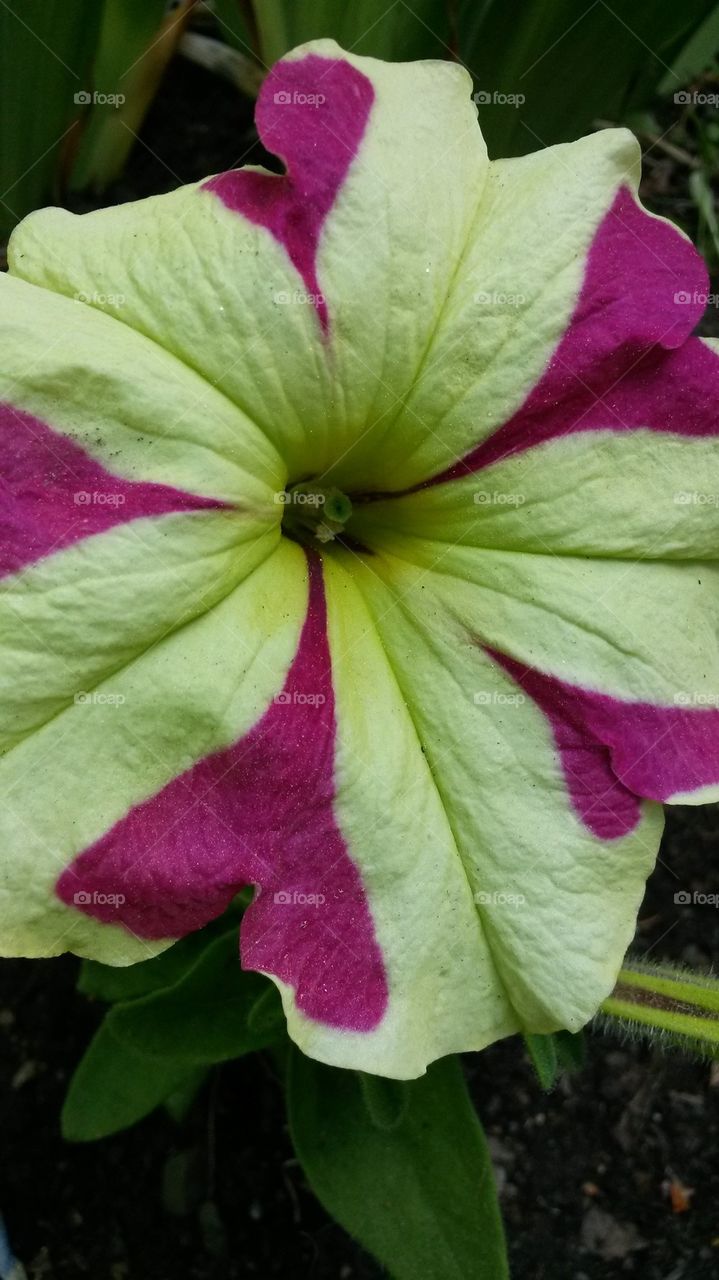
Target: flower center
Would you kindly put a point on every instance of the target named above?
(313, 513)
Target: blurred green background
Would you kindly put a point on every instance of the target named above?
(78, 76)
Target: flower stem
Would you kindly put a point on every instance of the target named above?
(664, 1002)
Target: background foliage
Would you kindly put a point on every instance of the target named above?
(404, 1167)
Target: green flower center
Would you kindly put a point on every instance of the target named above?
(314, 514)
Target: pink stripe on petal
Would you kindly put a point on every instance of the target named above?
(615, 752)
(53, 494)
(311, 112)
(260, 812)
(627, 359)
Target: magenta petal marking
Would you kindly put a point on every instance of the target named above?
(627, 360)
(260, 812)
(53, 494)
(312, 112)
(614, 752)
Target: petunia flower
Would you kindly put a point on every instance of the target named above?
(359, 537)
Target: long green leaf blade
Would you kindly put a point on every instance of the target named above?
(413, 1181)
(45, 52)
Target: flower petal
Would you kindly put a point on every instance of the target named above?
(624, 494)
(573, 634)
(121, 516)
(226, 273)
(625, 349)
(556, 902)
(445, 993)
(135, 409)
(513, 295)
(62, 789)
(162, 805)
(257, 812)
(333, 813)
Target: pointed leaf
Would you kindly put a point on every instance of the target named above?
(419, 1195)
(115, 1086)
(203, 1018)
(543, 1053)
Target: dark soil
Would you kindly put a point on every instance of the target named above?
(585, 1171)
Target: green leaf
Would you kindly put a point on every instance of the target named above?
(543, 1053)
(266, 1017)
(418, 1194)
(115, 1086)
(236, 24)
(137, 40)
(548, 51)
(698, 54)
(45, 52)
(368, 27)
(205, 1017)
(702, 194)
(571, 1050)
(552, 1054)
(178, 1104)
(386, 1100)
(194, 1006)
(105, 982)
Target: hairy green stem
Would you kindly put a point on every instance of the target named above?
(666, 1003)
